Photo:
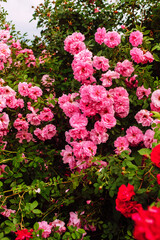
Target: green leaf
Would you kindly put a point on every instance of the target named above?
(131, 165)
(80, 230)
(156, 58)
(73, 236)
(1, 235)
(36, 211)
(7, 230)
(34, 205)
(145, 151)
(36, 226)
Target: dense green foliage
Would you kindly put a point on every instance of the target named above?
(36, 183)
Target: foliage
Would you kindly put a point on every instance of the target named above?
(37, 185)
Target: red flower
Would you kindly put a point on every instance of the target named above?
(24, 234)
(158, 179)
(124, 203)
(125, 193)
(147, 224)
(128, 208)
(155, 155)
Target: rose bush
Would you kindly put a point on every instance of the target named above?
(79, 164)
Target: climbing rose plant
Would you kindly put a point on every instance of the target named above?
(65, 160)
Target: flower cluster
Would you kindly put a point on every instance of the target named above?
(9, 100)
(5, 51)
(147, 224)
(29, 57)
(140, 56)
(74, 43)
(124, 203)
(110, 39)
(94, 100)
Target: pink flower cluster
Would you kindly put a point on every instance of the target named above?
(47, 81)
(48, 132)
(107, 78)
(7, 212)
(8, 99)
(83, 67)
(121, 101)
(30, 60)
(48, 228)
(5, 53)
(94, 99)
(134, 136)
(74, 43)
(110, 39)
(124, 68)
(26, 90)
(139, 56)
(4, 35)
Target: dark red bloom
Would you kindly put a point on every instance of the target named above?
(147, 224)
(158, 179)
(124, 203)
(155, 155)
(125, 193)
(128, 208)
(24, 234)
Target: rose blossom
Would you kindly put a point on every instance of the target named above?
(84, 149)
(158, 179)
(155, 98)
(155, 155)
(136, 38)
(134, 135)
(107, 77)
(46, 227)
(125, 68)
(137, 55)
(132, 82)
(125, 193)
(147, 224)
(124, 203)
(24, 234)
(148, 138)
(108, 120)
(74, 220)
(60, 224)
(100, 35)
(112, 39)
(101, 63)
(23, 89)
(144, 117)
(141, 92)
(68, 157)
(78, 120)
(121, 144)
